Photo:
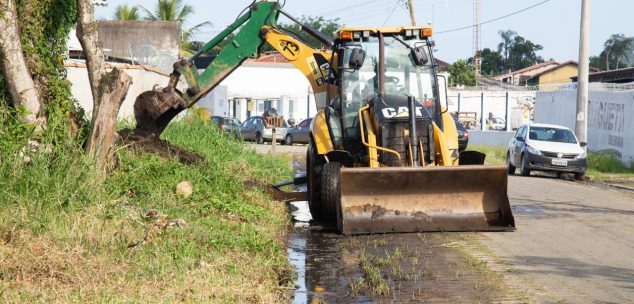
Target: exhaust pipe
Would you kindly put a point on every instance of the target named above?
(413, 139)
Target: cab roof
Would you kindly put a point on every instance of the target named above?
(387, 29)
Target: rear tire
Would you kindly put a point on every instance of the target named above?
(258, 138)
(525, 170)
(314, 165)
(289, 140)
(511, 168)
(330, 191)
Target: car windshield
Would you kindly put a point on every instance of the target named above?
(552, 134)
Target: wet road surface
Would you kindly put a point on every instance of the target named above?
(574, 244)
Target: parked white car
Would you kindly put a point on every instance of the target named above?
(544, 147)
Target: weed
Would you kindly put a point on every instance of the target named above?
(356, 286)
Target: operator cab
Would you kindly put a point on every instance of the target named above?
(382, 67)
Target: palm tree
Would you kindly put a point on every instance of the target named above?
(125, 12)
(508, 37)
(175, 10)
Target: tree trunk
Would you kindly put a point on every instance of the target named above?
(16, 74)
(108, 89)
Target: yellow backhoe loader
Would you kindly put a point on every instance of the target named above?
(383, 155)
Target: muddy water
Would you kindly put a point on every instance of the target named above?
(388, 268)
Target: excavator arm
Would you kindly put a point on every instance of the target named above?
(254, 28)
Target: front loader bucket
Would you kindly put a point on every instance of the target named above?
(462, 198)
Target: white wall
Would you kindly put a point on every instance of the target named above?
(142, 80)
(609, 129)
(277, 82)
(216, 102)
(490, 138)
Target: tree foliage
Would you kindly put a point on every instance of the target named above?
(618, 51)
(492, 62)
(522, 53)
(125, 12)
(462, 73)
(513, 53)
(326, 26)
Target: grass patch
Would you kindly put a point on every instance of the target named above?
(67, 237)
(607, 167)
(495, 155)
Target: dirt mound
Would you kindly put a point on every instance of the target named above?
(142, 144)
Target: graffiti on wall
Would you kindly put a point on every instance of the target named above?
(608, 116)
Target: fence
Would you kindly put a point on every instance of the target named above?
(514, 107)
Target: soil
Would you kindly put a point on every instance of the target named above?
(142, 144)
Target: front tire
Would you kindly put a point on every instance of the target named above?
(525, 170)
(580, 176)
(330, 191)
(314, 165)
(258, 138)
(289, 140)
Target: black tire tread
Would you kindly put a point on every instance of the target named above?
(330, 191)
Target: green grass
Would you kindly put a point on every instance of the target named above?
(495, 155)
(67, 237)
(601, 166)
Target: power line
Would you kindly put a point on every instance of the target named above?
(492, 20)
(392, 12)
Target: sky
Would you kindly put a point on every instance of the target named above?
(553, 24)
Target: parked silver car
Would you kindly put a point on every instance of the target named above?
(299, 134)
(253, 129)
(544, 147)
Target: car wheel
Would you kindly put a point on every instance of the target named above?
(289, 140)
(525, 170)
(258, 138)
(314, 165)
(580, 176)
(511, 168)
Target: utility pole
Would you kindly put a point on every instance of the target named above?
(581, 127)
(410, 4)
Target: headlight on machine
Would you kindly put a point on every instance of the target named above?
(581, 155)
(533, 151)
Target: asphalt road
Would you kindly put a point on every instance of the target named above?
(574, 242)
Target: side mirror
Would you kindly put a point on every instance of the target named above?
(583, 144)
(357, 56)
(419, 55)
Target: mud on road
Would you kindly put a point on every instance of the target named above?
(389, 268)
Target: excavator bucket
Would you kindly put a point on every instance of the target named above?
(411, 199)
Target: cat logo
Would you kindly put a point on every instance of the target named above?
(400, 112)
